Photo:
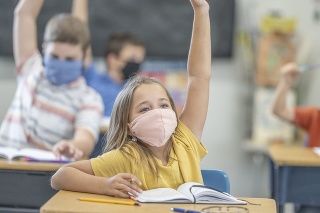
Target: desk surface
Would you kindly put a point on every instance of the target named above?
(66, 201)
(293, 155)
(30, 166)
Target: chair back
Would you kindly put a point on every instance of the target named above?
(216, 179)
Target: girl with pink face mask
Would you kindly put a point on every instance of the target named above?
(147, 145)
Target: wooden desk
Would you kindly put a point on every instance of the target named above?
(66, 201)
(293, 156)
(25, 186)
(29, 166)
(295, 175)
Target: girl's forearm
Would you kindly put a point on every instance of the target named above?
(72, 179)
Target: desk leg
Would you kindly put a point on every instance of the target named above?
(280, 177)
(272, 183)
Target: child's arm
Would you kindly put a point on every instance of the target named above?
(279, 106)
(25, 29)
(199, 70)
(80, 10)
(79, 176)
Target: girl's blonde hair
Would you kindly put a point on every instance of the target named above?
(117, 136)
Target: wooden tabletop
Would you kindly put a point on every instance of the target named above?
(66, 201)
(293, 155)
(30, 166)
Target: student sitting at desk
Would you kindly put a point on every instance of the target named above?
(53, 108)
(307, 118)
(148, 146)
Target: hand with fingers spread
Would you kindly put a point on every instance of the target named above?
(122, 184)
(67, 149)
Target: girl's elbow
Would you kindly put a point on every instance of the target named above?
(55, 183)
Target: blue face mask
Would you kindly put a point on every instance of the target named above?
(61, 72)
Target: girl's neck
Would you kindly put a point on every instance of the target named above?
(160, 153)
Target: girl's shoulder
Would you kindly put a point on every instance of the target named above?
(183, 131)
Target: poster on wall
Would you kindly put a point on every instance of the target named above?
(175, 82)
(268, 128)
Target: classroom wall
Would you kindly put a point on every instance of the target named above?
(230, 108)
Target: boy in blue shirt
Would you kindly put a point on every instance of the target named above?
(124, 52)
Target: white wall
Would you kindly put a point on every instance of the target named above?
(230, 108)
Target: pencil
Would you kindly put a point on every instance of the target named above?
(132, 203)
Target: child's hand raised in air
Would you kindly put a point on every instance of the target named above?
(200, 4)
(290, 72)
(122, 184)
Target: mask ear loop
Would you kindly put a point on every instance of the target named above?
(134, 139)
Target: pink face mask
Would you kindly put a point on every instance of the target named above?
(154, 127)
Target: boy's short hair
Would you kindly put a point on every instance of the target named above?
(69, 29)
(116, 42)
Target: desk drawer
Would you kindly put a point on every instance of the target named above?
(25, 189)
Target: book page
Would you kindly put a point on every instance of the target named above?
(185, 189)
(162, 195)
(12, 153)
(37, 154)
(316, 150)
(204, 194)
(7, 152)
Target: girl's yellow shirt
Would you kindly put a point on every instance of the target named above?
(183, 166)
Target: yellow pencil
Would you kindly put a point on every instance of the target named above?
(132, 203)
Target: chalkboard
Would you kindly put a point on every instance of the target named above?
(164, 25)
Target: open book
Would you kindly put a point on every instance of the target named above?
(190, 192)
(29, 154)
(316, 150)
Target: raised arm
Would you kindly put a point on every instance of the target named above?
(80, 10)
(25, 29)
(199, 70)
(279, 106)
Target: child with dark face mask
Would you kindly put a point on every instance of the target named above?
(148, 145)
(53, 108)
(124, 53)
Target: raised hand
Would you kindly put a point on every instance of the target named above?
(198, 4)
(290, 72)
